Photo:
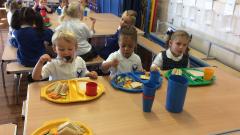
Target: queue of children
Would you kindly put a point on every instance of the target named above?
(70, 43)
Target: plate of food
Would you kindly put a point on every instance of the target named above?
(194, 76)
(66, 91)
(131, 81)
(63, 127)
(144, 77)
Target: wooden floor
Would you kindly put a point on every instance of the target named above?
(10, 111)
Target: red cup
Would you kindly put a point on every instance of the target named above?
(91, 89)
(43, 13)
(46, 20)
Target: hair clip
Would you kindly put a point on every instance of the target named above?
(170, 31)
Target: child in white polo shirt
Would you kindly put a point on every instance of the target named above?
(66, 65)
(124, 60)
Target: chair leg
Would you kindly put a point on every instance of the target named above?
(18, 87)
(3, 76)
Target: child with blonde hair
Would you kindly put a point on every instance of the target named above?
(41, 5)
(11, 6)
(71, 21)
(67, 65)
(176, 56)
(124, 60)
(111, 45)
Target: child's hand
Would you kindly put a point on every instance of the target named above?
(93, 20)
(44, 58)
(154, 68)
(93, 75)
(115, 63)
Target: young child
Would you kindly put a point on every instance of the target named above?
(176, 56)
(30, 37)
(66, 65)
(70, 21)
(111, 45)
(41, 5)
(63, 3)
(124, 60)
(11, 6)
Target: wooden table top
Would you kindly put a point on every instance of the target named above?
(8, 129)
(207, 110)
(9, 53)
(106, 23)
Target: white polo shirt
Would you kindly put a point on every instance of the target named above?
(59, 70)
(158, 61)
(125, 64)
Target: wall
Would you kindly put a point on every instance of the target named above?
(205, 25)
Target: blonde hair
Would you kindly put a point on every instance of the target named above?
(65, 35)
(132, 14)
(72, 10)
(179, 34)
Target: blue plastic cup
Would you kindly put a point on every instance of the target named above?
(147, 103)
(85, 13)
(155, 77)
(176, 93)
(149, 89)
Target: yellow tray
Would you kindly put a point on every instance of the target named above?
(53, 125)
(76, 93)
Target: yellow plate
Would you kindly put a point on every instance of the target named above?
(76, 93)
(53, 125)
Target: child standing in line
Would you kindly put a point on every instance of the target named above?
(66, 65)
(41, 5)
(176, 56)
(124, 60)
(30, 37)
(11, 6)
(111, 45)
(71, 21)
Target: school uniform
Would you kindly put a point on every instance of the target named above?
(111, 46)
(57, 69)
(166, 60)
(133, 63)
(30, 44)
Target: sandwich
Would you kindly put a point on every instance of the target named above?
(69, 128)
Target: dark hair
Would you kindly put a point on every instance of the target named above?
(28, 16)
(129, 31)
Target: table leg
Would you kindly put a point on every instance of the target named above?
(3, 76)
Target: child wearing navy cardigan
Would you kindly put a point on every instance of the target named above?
(29, 40)
(111, 45)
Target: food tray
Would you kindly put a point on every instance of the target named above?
(53, 125)
(194, 76)
(76, 93)
(135, 76)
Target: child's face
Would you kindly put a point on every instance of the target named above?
(126, 45)
(178, 45)
(65, 49)
(43, 2)
(125, 20)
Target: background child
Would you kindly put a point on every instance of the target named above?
(63, 3)
(71, 21)
(111, 45)
(176, 56)
(11, 6)
(29, 36)
(124, 60)
(66, 65)
(41, 5)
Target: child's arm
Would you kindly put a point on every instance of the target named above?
(36, 75)
(107, 65)
(93, 24)
(36, 3)
(92, 75)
